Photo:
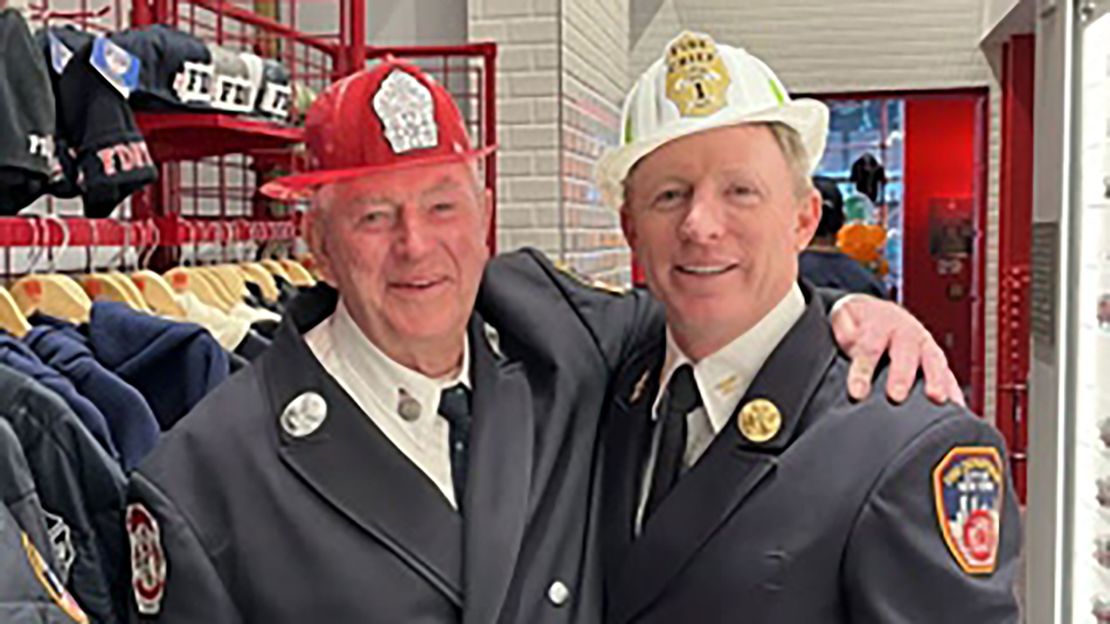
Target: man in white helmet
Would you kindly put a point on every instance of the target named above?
(758, 490)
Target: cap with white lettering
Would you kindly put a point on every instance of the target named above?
(177, 72)
(98, 125)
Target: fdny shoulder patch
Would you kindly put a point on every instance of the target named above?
(148, 559)
(968, 488)
(54, 587)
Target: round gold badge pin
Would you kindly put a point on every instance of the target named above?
(759, 420)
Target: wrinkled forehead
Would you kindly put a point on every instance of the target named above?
(400, 185)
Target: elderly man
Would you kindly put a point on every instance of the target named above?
(398, 455)
(759, 491)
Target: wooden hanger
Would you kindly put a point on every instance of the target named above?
(308, 261)
(101, 287)
(232, 281)
(297, 273)
(12, 319)
(52, 294)
(206, 273)
(131, 290)
(264, 279)
(157, 293)
(182, 280)
(273, 266)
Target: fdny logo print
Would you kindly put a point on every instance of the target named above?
(148, 560)
(54, 587)
(125, 157)
(404, 105)
(968, 487)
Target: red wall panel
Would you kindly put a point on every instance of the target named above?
(942, 166)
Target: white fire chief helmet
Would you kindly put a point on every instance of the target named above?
(699, 85)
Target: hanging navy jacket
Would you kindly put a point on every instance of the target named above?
(79, 485)
(130, 419)
(18, 493)
(19, 356)
(173, 365)
(27, 595)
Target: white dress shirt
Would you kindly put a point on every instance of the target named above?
(376, 384)
(722, 379)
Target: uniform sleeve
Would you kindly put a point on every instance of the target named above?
(173, 579)
(619, 320)
(924, 548)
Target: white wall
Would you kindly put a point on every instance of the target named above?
(846, 45)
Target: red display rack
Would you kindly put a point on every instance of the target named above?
(211, 165)
(192, 136)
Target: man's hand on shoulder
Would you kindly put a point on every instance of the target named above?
(867, 327)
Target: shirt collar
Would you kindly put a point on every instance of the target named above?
(724, 376)
(388, 379)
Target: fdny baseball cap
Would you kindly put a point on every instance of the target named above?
(26, 116)
(390, 116)
(177, 71)
(700, 85)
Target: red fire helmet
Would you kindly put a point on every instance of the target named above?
(390, 116)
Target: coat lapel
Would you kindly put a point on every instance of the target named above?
(499, 478)
(358, 471)
(731, 469)
(627, 440)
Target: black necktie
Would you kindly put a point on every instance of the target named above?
(681, 398)
(454, 405)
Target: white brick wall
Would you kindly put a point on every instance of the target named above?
(562, 72)
(595, 78)
(528, 92)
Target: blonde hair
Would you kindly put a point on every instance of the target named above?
(793, 149)
(797, 158)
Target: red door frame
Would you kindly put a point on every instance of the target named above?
(1014, 250)
(982, 147)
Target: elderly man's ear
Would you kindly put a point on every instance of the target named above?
(314, 224)
(809, 217)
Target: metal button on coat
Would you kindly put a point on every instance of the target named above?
(558, 594)
(304, 414)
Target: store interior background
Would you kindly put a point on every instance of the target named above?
(947, 93)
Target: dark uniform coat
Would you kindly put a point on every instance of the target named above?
(257, 525)
(30, 592)
(834, 519)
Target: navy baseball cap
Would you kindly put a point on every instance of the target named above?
(176, 68)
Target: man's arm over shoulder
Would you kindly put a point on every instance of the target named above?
(173, 577)
(528, 281)
(939, 536)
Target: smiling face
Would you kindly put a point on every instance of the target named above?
(406, 250)
(717, 219)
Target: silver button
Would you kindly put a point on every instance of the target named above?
(407, 407)
(304, 414)
(558, 594)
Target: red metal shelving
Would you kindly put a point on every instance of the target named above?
(193, 136)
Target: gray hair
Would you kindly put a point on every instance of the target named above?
(793, 149)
